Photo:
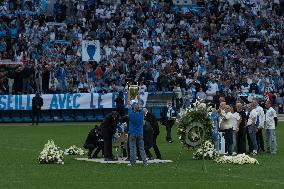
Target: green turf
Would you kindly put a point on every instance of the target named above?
(20, 146)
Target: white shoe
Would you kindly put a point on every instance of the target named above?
(254, 152)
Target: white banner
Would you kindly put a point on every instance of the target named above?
(91, 51)
(65, 101)
(8, 61)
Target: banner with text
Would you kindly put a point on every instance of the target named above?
(65, 101)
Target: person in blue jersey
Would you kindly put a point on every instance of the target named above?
(215, 136)
(135, 132)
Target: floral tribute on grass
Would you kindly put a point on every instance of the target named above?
(206, 151)
(74, 150)
(239, 159)
(194, 125)
(51, 154)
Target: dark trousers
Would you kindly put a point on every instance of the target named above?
(156, 149)
(108, 147)
(228, 140)
(259, 140)
(241, 141)
(35, 114)
(91, 147)
(249, 142)
(169, 124)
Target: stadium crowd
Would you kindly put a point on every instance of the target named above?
(221, 47)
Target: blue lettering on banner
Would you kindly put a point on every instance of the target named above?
(62, 101)
(75, 105)
(65, 101)
(28, 103)
(10, 102)
(92, 106)
(69, 102)
(113, 104)
(100, 100)
(53, 104)
(21, 106)
(2, 102)
(17, 103)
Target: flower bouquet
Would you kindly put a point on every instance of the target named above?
(207, 150)
(51, 154)
(239, 159)
(194, 125)
(74, 150)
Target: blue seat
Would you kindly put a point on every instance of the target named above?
(68, 115)
(27, 116)
(79, 116)
(100, 114)
(156, 111)
(89, 114)
(46, 116)
(56, 115)
(16, 116)
(6, 116)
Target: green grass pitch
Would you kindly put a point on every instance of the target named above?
(20, 146)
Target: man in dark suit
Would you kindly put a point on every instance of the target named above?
(37, 103)
(109, 128)
(120, 104)
(94, 141)
(168, 118)
(149, 117)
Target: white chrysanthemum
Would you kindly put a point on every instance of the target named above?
(50, 153)
(239, 159)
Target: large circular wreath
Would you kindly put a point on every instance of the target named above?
(195, 126)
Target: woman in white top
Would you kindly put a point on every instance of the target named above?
(251, 127)
(236, 122)
(228, 128)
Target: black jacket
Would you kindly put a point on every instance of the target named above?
(37, 102)
(93, 137)
(109, 126)
(148, 136)
(154, 123)
(164, 117)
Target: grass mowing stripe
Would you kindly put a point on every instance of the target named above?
(20, 147)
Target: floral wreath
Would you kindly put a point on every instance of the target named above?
(194, 125)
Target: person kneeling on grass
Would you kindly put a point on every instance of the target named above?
(94, 141)
(135, 132)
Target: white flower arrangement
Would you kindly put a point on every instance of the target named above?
(74, 150)
(195, 125)
(206, 150)
(51, 154)
(239, 159)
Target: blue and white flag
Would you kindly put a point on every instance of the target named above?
(91, 51)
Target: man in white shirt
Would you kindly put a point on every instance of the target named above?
(251, 125)
(236, 122)
(228, 127)
(259, 124)
(270, 125)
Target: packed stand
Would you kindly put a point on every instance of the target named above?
(217, 49)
